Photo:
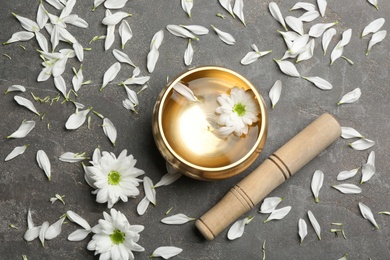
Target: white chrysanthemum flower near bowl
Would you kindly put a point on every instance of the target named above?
(113, 178)
(237, 112)
(115, 238)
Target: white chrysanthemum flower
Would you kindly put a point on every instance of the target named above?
(115, 238)
(113, 178)
(237, 112)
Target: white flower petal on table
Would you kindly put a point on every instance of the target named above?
(26, 23)
(136, 72)
(315, 224)
(275, 91)
(336, 53)
(275, 12)
(54, 229)
(322, 6)
(168, 179)
(368, 170)
(132, 96)
(16, 152)
(376, 38)
(157, 39)
(187, 6)
(125, 32)
(344, 175)
(349, 132)
(299, 44)
(122, 57)
(19, 36)
(188, 54)
(318, 29)
(371, 158)
(374, 3)
(302, 229)
(30, 222)
(185, 92)
(362, 144)
(319, 82)
(60, 84)
(288, 68)
(78, 235)
(295, 24)
(278, 214)
(347, 188)
(23, 130)
(68, 8)
(346, 37)
(304, 6)
(269, 204)
(367, 214)
(72, 157)
(75, 20)
(152, 59)
(250, 57)
(109, 130)
(238, 10)
(177, 219)
(110, 37)
(79, 51)
(237, 229)
(44, 163)
(166, 252)
(327, 37)
(76, 119)
(137, 80)
(316, 184)
(196, 29)
(143, 206)
(289, 36)
(308, 53)
(150, 192)
(26, 103)
(227, 5)
(76, 218)
(351, 96)
(56, 4)
(78, 78)
(180, 32)
(373, 26)
(42, 232)
(32, 233)
(224, 36)
(309, 16)
(114, 4)
(110, 74)
(115, 18)
(42, 41)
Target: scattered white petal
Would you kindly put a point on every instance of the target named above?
(143, 206)
(188, 54)
(44, 163)
(238, 10)
(227, 5)
(346, 37)
(304, 6)
(327, 37)
(54, 230)
(290, 35)
(109, 130)
(125, 32)
(150, 192)
(278, 214)
(299, 44)
(77, 119)
(224, 36)
(19, 36)
(157, 39)
(78, 235)
(376, 38)
(185, 92)
(136, 80)
(374, 26)
(166, 252)
(275, 12)
(275, 91)
(152, 58)
(336, 53)
(315, 224)
(374, 3)
(295, 23)
(30, 222)
(196, 29)
(177, 219)
(349, 132)
(72, 157)
(302, 229)
(351, 97)
(368, 169)
(168, 179)
(110, 36)
(76, 218)
(79, 51)
(114, 4)
(132, 96)
(367, 214)
(32, 233)
(187, 6)
(308, 53)
(42, 232)
(122, 57)
(26, 103)
(319, 82)
(23, 129)
(115, 18)
(316, 184)
(269, 204)
(237, 229)
(344, 175)
(16, 152)
(180, 32)
(347, 188)
(27, 24)
(288, 68)
(60, 84)
(56, 4)
(362, 144)
(110, 74)
(250, 57)
(42, 41)
(78, 79)
(309, 16)
(318, 29)
(322, 6)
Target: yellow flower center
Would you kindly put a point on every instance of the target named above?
(114, 178)
(117, 237)
(239, 109)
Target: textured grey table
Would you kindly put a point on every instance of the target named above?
(23, 185)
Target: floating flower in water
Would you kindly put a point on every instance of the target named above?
(113, 178)
(115, 238)
(237, 112)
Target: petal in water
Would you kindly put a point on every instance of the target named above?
(23, 130)
(351, 97)
(316, 184)
(185, 92)
(16, 152)
(274, 93)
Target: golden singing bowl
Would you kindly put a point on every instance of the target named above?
(184, 131)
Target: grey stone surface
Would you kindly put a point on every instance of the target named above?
(24, 186)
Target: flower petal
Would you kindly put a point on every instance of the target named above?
(109, 130)
(302, 229)
(347, 188)
(20, 36)
(315, 224)
(278, 214)
(224, 36)
(187, 6)
(275, 12)
(316, 184)
(110, 74)
(376, 38)
(322, 6)
(185, 92)
(23, 129)
(367, 214)
(122, 57)
(143, 206)
(16, 152)
(269, 204)
(177, 219)
(250, 57)
(44, 163)
(196, 29)
(188, 54)
(349, 132)
(309, 16)
(319, 82)
(166, 252)
(237, 229)
(318, 29)
(26, 103)
(373, 26)
(362, 144)
(344, 175)
(168, 179)
(76, 218)
(351, 96)
(152, 58)
(327, 37)
(125, 32)
(227, 5)
(374, 3)
(304, 6)
(54, 230)
(42, 232)
(115, 18)
(114, 4)
(78, 235)
(238, 10)
(150, 192)
(288, 68)
(180, 32)
(60, 84)
(275, 91)
(295, 24)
